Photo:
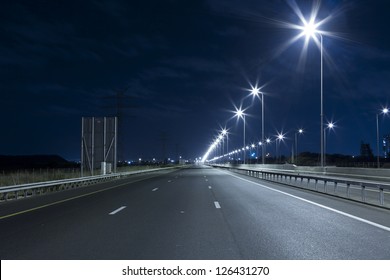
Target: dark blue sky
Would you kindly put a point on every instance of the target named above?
(186, 64)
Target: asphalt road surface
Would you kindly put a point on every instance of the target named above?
(192, 213)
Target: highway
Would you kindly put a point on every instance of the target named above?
(196, 212)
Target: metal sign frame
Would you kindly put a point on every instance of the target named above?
(99, 145)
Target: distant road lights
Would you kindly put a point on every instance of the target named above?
(384, 111)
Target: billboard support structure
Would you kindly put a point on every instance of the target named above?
(98, 145)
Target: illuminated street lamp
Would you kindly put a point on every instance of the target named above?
(256, 92)
(309, 29)
(225, 133)
(260, 144)
(300, 131)
(267, 141)
(241, 115)
(384, 111)
(329, 126)
(279, 138)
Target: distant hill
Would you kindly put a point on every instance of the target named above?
(33, 161)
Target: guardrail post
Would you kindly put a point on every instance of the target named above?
(335, 187)
(363, 193)
(348, 190)
(381, 197)
(315, 185)
(325, 186)
(308, 182)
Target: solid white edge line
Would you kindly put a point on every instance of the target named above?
(316, 204)
(216, 203)
(117, 210)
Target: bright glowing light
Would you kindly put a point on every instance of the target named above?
(255, 91)
(385, 110)
(280, 136)
(253, 145)
(224, 131)
(300, 130)
(268, 140)
(239, 113)
(309, 28)
(331, 125)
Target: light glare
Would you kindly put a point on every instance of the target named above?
(310, 28)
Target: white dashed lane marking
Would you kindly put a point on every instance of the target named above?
(117, 210)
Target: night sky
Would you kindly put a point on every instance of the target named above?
(183, 66)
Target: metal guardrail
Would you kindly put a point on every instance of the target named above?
(375, 193)
(27, 190)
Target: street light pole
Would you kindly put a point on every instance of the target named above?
(310, 30)
(279, 138)
(244, 138)
(300, 131)
(322, 106)
(240, 114)
(377, 141)
(384, 111)
(329, 126)
(262, 128)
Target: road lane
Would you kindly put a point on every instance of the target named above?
(175, 216)
(284, 227)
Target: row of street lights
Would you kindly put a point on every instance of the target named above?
(310, 31)
(239, 113)
(280, 137)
